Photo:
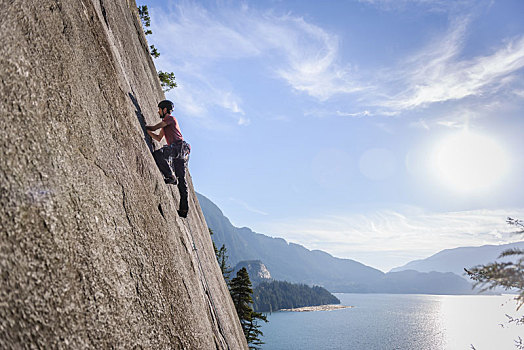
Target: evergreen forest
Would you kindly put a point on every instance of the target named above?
(276, 295)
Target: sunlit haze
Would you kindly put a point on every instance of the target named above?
(380, 131)
(470, 162)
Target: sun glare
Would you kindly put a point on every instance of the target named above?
(470, 162)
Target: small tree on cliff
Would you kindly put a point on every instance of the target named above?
(143, 12)
(509, 275)
(221, 255)
(167, 79)
(253, 331)
(222, 262)
(241, 291)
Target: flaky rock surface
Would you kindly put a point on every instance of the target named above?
(92, 251)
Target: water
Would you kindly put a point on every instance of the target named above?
(403, 322)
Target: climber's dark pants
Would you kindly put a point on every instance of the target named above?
(180, 173)
(162, 156)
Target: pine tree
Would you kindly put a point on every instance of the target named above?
(221, 255)
(241, 291)
(222, 262)
(509, 275)
(143, 12)
(254, 331)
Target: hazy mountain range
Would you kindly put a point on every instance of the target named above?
(439, 274)
(454, 260)
(287, 261)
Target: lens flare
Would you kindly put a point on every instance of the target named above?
(470, 162)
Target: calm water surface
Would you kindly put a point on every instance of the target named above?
(403, 322)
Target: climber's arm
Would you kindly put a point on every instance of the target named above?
(156, 137)
(162, 124)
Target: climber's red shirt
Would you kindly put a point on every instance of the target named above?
(172, 130)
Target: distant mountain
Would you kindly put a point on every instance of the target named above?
(288, 261)
(414, 282)
(256, 270)
(294, 263)
(455, 260)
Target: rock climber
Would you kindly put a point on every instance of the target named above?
(174, 155)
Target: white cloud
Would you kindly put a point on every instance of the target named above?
(229, 101)
(197, 102)
(189, 106)
(410, 234)
(248, 207)
(458, 119)
(437, 74)
(191, 31)
(364, 113)
(243, 121)
(312, 61)
(197, 41)
(430, 5)
(519, 93)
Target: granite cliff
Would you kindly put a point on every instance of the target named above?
(256, 270)
(92, 251)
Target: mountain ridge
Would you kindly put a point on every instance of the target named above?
(456, 259)
(244, 244)
(294, 263)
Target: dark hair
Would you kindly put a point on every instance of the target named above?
(166, 104)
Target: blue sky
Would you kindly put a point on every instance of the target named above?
(381, 131)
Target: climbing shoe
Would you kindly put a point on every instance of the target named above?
(182, 213)
(170, 180)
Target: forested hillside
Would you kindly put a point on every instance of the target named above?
(276, 295)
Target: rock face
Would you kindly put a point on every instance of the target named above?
(256, 270)
(92, 251)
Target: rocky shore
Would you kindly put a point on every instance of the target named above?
(318, 308)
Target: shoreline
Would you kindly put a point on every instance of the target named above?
(329, 307)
